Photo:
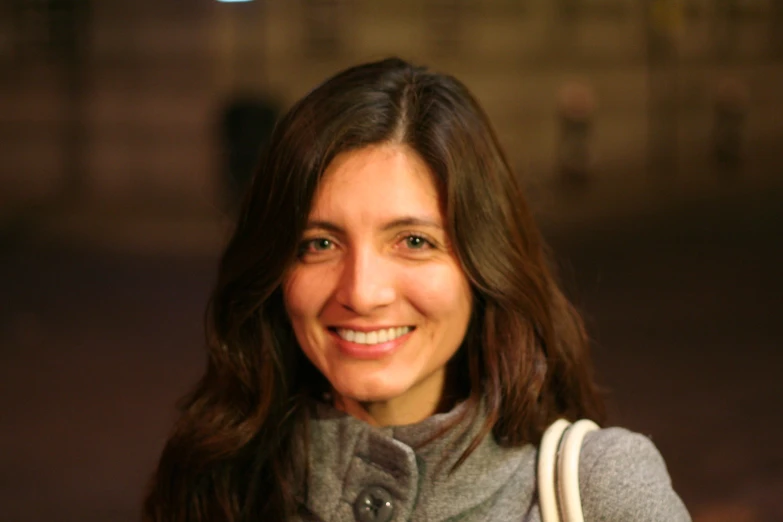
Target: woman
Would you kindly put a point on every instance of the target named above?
(386, 340)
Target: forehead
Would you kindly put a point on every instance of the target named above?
(377, 182)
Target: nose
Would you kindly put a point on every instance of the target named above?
(367, 282)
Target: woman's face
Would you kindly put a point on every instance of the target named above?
(377, 300)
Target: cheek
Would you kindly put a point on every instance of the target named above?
(440, 292)
(302, 306)
(292, 295)
(304, 293)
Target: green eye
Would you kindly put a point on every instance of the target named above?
(320, 244)
(416, 242)
(313, 246)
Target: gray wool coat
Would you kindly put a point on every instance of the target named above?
(369, 474)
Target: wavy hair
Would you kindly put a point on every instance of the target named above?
(238, 450)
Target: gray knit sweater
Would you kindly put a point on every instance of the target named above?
(358, 472)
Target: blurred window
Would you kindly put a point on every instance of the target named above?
(776, 30)
(49, 29)
(445, 21)
(574, 10)
(569, 10)
(323, 27)
(727, 13)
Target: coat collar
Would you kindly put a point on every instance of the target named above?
(347, 455)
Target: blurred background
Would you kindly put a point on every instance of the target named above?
(647, 132)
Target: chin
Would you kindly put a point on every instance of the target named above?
(370, 390)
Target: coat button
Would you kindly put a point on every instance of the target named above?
(374, 504)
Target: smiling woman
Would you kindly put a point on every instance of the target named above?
(386, 340)
(376, 261)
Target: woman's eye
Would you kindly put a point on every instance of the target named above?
(319, 244)
(322, 244)
(417, 242)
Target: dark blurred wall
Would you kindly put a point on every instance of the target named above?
(118, 101)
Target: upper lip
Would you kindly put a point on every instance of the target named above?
(361, 328)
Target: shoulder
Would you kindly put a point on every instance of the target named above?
(624, 477)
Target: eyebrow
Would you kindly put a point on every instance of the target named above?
(408, 221)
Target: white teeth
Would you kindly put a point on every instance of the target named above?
(374, 337)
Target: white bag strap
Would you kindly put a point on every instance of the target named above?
(547, 457)
(570, 500)
(558, 470)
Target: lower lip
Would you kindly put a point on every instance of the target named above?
(369, 351)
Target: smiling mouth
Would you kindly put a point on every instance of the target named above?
(383, 335)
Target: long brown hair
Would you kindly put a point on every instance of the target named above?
(238, 449)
